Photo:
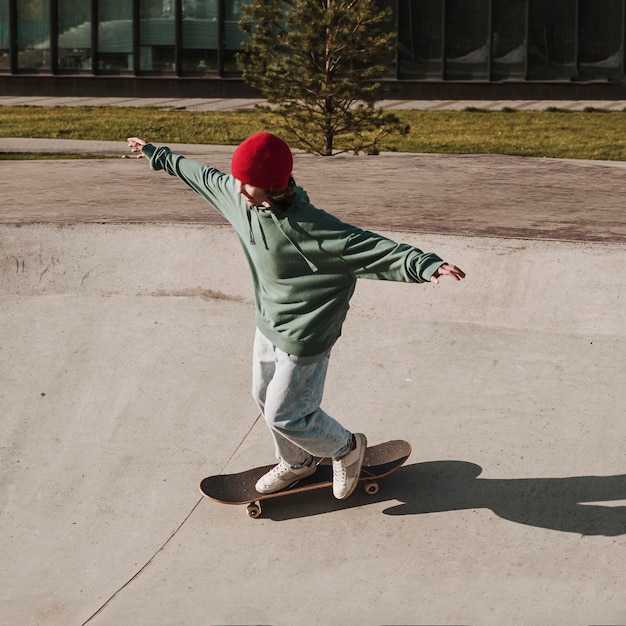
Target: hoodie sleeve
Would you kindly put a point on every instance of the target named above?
(369, 255)
(217, 188)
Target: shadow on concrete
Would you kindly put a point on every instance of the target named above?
(581, 504)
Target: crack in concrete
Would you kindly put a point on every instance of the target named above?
(169, 539)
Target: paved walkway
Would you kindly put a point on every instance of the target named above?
(474, 195)
(233, 104)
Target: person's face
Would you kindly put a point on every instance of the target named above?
(254, 196)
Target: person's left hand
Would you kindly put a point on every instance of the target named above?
(447, 269)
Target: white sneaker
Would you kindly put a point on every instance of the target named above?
(347, 469)
(282, 476)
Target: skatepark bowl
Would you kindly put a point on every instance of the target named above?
(127, 324)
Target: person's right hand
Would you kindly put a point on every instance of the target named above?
(135, 144)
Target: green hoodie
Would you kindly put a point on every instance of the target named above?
(304, 262)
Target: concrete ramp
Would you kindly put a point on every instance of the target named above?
(125, 358)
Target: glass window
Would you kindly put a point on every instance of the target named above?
(115, 36)
(390, 26)
(200, 34)
(420, 34)
(5, 63)
(74, 35)
(467, 39)
(600, 51)
(233, 34)
(33, 35)
(157, 36)
(508, 43)
(552, 40)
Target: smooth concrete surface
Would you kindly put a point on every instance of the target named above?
(125, 361)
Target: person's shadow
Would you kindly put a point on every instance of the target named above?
(564, 504)
(581, 504)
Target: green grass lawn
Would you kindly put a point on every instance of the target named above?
(589, 134)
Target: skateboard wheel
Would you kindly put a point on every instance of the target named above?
(253, 510)
(371, 487)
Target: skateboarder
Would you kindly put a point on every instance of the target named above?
(304, 265)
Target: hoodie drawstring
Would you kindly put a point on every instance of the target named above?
(293, 243)
(276, 221)
(250, 231)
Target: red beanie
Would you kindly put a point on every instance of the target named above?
(263, 160)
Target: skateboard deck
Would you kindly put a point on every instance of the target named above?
(380, 460)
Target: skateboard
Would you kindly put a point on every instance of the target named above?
(380, 460)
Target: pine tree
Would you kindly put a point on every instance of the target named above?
(316, 61)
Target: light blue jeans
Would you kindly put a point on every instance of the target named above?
(288, 391)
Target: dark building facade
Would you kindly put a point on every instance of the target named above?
(186, 48)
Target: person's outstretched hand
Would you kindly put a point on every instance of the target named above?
(135, 144)
(447, 270)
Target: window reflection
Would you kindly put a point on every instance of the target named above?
(600, 40)
(33, 35)
(200, 36)
(420, 32)
(467, 39)
(157, 36)
(115, 36)
(508, 45)
(552, 40)
(5, 61)
(234, 38)
(74, 43)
